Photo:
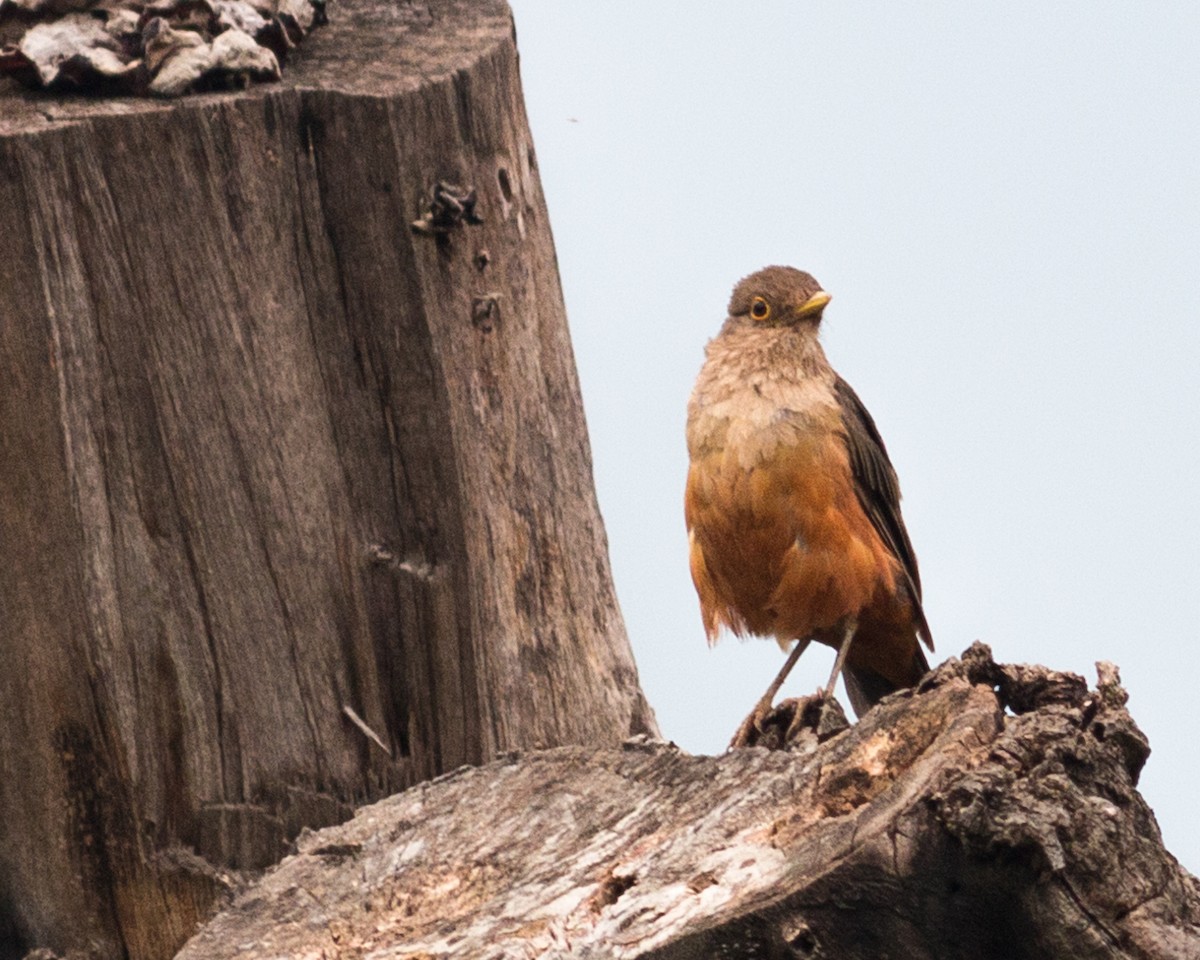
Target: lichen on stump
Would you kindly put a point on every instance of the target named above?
(163, 48)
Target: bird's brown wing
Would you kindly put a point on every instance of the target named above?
(879, 492)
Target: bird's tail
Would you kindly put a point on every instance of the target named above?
(866, 688)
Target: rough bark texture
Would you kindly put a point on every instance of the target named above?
(991, 814)
(281, 473)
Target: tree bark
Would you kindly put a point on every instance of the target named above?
(991, 815)
(298, 507)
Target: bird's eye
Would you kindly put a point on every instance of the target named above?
(759, 308)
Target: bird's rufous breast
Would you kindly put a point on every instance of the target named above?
(779, 545)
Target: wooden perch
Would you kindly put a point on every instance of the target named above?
(991, 814)
(285, 480)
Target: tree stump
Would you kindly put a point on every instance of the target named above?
(990, 815)
(297, 501)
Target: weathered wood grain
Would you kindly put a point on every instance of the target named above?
(942, 826)
(266, 452)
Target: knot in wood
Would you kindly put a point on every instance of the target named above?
(798, 938)
(449, 208)
(485, 311)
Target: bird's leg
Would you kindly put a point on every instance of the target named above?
(851, 627)
(754, 721)
(824, 695)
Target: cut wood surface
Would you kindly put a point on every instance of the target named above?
(297, 499)
(991, 814)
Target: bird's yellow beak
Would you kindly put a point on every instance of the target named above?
(814, 304)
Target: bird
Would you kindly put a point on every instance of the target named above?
(792, 505)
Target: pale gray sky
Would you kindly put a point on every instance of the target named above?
(1005, 204)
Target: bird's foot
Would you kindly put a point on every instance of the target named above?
(752, 728)
(820, 713)
(791, 724)
(832, 719)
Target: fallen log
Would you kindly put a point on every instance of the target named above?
(992, 813)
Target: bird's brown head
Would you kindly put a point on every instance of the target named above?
(778, 297)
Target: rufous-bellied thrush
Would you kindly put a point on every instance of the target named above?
(792, 505)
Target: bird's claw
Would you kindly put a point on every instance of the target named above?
(751, 729)
(829, 718)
